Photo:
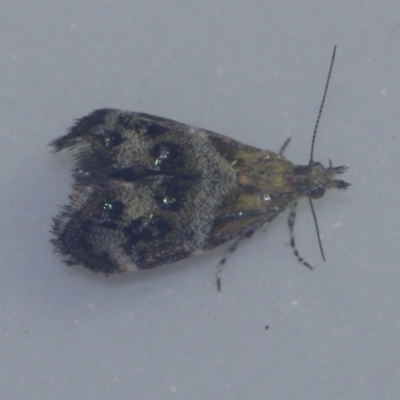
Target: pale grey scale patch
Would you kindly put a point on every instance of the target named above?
(216, 182)
(134, 152)
(110, 242)
(139, 200)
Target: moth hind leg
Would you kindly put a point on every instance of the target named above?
(227, 254)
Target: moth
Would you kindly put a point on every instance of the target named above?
(150, 191)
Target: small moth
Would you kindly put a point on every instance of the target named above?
(150, 191)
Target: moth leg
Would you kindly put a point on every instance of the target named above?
(291, 220)
(227, 254)
(285, 144)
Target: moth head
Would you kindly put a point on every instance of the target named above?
(322, 178)
(313, 179)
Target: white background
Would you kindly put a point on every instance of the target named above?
(253, 70)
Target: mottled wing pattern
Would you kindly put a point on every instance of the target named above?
(150, 191)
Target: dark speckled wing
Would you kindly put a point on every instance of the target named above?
(148, 191)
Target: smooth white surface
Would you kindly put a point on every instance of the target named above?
(254, 71)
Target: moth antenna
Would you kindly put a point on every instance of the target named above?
(317, 228)
(321, 107)
(291, 220)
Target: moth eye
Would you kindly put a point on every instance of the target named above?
(167, 155)
(111, 138)
(317, 192)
